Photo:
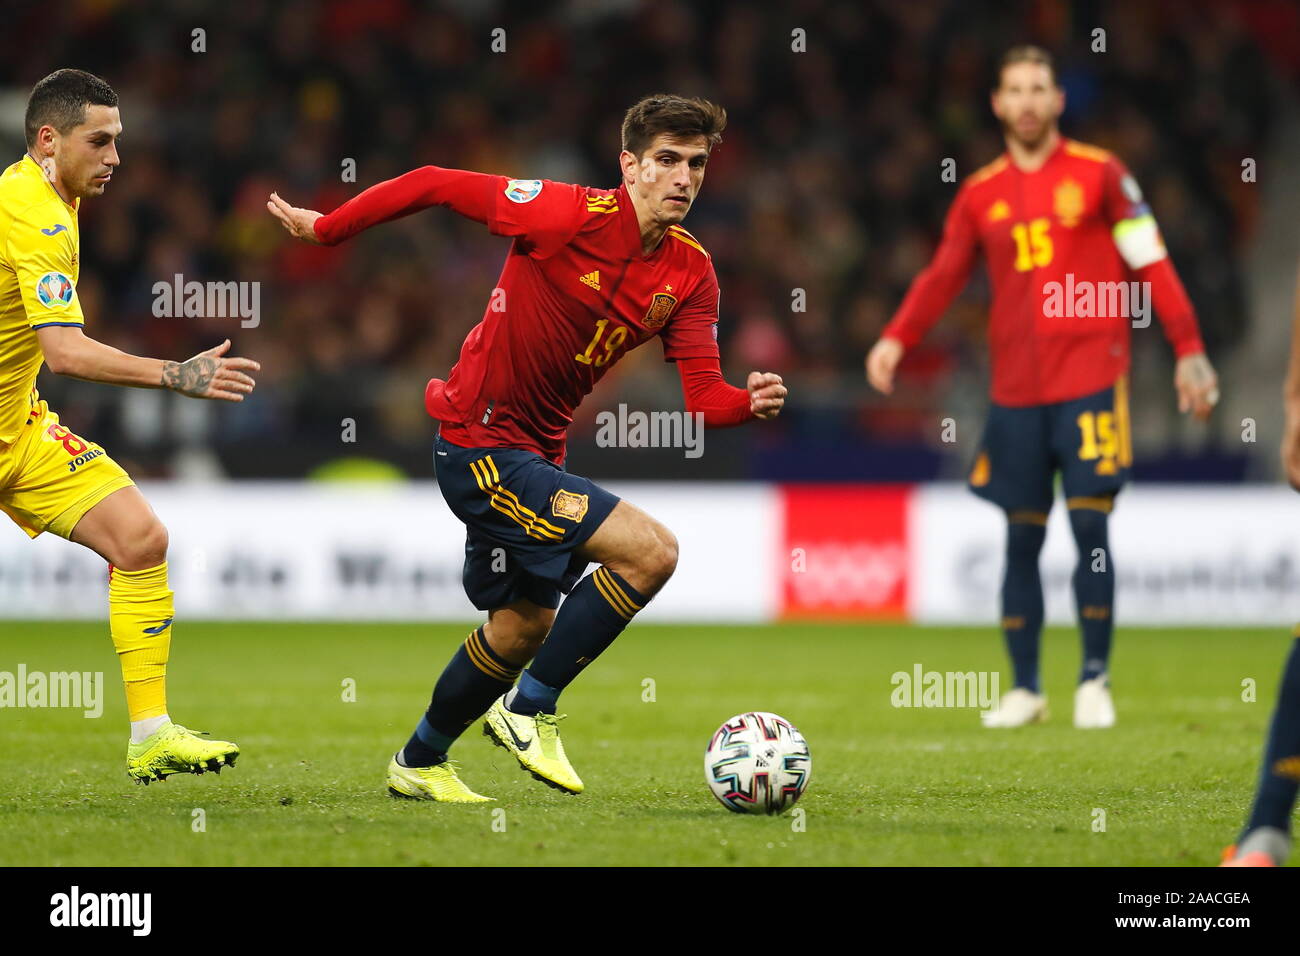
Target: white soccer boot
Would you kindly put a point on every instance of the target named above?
(1092, 704)
(1018, 707)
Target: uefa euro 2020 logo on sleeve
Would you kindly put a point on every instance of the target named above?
(523, 190)
(54, 290)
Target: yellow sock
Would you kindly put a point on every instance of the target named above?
(140, 615)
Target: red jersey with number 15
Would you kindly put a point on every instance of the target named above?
(1065, 245)
(575, 295)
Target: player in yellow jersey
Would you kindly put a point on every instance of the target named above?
(52, 480)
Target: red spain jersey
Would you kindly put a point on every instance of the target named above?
(575, 295)
(1055, 241)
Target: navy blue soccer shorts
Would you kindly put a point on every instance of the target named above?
(1087, 439)
(524, 517)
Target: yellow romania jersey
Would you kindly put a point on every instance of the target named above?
(39, 252)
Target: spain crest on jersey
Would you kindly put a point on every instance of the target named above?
(1067, 202)
(661, 306)
(570, 505)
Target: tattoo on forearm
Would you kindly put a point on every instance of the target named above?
(189, 378)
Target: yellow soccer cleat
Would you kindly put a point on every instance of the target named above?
(535, 742)
(438, 782)
(173, 749)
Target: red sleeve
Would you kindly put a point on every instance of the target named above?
(469, 194)
(707, 392)
(693, 331)
(1173, 307)
(1120, 197)
(1125, 209)
(544, 214)
(941, 280)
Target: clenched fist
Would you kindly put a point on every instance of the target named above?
(766, 394)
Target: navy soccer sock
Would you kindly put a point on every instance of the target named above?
(1022, 595)
(1279, 778)
(1094, 588)
(475, 677)
(591, 617)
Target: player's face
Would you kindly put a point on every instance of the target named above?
(87, 154)
(1028, 103)
(668, 176)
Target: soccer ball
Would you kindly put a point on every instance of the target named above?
(757, 763)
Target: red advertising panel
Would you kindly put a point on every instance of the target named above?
(845, 551)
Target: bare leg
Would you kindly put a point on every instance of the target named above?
(517, 630)
(636, 547)
(637, 555)
(124, 531)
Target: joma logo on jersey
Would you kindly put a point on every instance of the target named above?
(82, 459)
(661, 306)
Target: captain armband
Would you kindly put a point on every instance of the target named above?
(1138, 240)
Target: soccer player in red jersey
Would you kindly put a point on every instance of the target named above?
(591, 274)
(1074, 256)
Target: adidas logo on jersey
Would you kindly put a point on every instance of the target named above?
(592, 279)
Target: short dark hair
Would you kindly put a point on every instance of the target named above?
(683, 117)
(60, 100)
(1025, 53)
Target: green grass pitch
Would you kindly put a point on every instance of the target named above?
(889, 785)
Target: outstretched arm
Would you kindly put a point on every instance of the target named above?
(298, 222)
(544, 214)
(68, 351)
(470, 194)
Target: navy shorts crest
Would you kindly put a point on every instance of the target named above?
(524, 517)
(1086, 439)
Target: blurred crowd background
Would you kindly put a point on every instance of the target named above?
(828, 181)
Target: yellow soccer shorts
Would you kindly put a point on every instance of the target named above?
(50, 477)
